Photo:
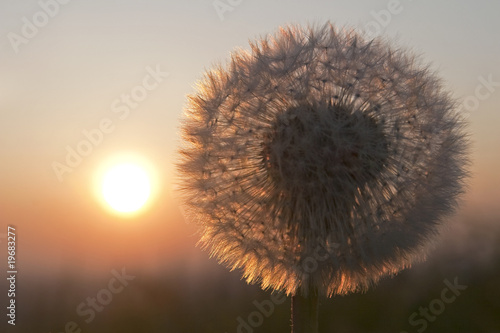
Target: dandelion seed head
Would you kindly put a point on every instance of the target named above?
(320, 160)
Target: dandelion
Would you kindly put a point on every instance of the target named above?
(319, 162)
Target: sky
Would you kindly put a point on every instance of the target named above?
(65, 77)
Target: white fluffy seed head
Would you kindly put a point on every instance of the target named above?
(320, 160)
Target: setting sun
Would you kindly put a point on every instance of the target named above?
(126, 187)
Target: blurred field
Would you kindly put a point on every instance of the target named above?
(195, 294)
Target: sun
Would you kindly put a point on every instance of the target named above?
(126, 187)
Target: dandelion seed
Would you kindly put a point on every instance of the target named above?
(327, 140)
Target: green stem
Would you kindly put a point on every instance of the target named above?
(305, 313)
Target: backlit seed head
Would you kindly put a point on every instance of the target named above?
(320, 160)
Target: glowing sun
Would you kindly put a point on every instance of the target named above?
(126, 187)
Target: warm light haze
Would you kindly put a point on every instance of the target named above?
(91, 98)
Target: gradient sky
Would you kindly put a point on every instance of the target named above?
(66, 77)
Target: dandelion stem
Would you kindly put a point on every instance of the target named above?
(305, 313)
